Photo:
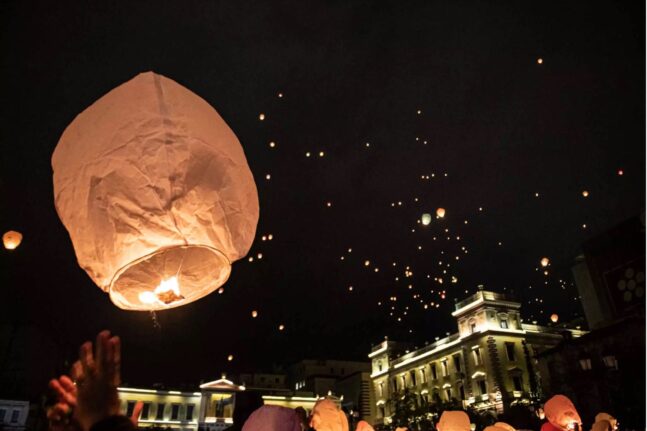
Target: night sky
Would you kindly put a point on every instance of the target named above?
(390, 92)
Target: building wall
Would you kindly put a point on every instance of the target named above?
(357, 395)
(264, 380)
(161, 403)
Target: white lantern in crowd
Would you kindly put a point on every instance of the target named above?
(426, 219)
(156, 194)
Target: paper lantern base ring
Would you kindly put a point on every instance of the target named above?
(169, 277)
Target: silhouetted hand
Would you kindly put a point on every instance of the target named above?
(97, 381)
(59, 415)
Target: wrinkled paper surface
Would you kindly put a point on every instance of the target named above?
(143, 175)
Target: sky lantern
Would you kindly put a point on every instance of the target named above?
(426, 219)
(544, 261)
(11, 239)
(554, 318)
(440, 212)
(156, 194)
(561, 412)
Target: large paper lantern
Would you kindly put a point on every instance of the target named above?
(156, 194)
(426, 219)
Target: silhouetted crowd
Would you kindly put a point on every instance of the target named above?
(87, 400)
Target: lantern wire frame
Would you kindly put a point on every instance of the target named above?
(200, 269)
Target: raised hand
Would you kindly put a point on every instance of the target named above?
(60, 414)
(97, 380)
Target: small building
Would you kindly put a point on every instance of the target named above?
(320, 376)
(13, 415)
(488, 364)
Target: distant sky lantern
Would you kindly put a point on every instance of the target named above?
(554, 318)
(540, 61)
(230, 358)
(261, 117)
(281, 327)
(254, 314)
(440, 212)
(11, 239)
(585, 193)
(426, 219)
(621, 172)
(156, 194)
(544, 261)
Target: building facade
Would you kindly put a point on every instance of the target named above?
(320, 376)
(210, 409)
(487, 365)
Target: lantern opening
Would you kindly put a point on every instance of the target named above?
(169, 277)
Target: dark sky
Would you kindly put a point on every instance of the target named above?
(500, 125)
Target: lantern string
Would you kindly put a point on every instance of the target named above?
(156, 323)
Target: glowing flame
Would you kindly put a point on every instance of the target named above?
(170, 285)
(166, 292)
(147, 297)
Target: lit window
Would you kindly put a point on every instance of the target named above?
(585, 363)
(472, 327)
(423, 376)
(444, 365)
(610, 361)
(504, 323)
(434, 373)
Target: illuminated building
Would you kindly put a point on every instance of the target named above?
(210, 409)
(487, 365)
